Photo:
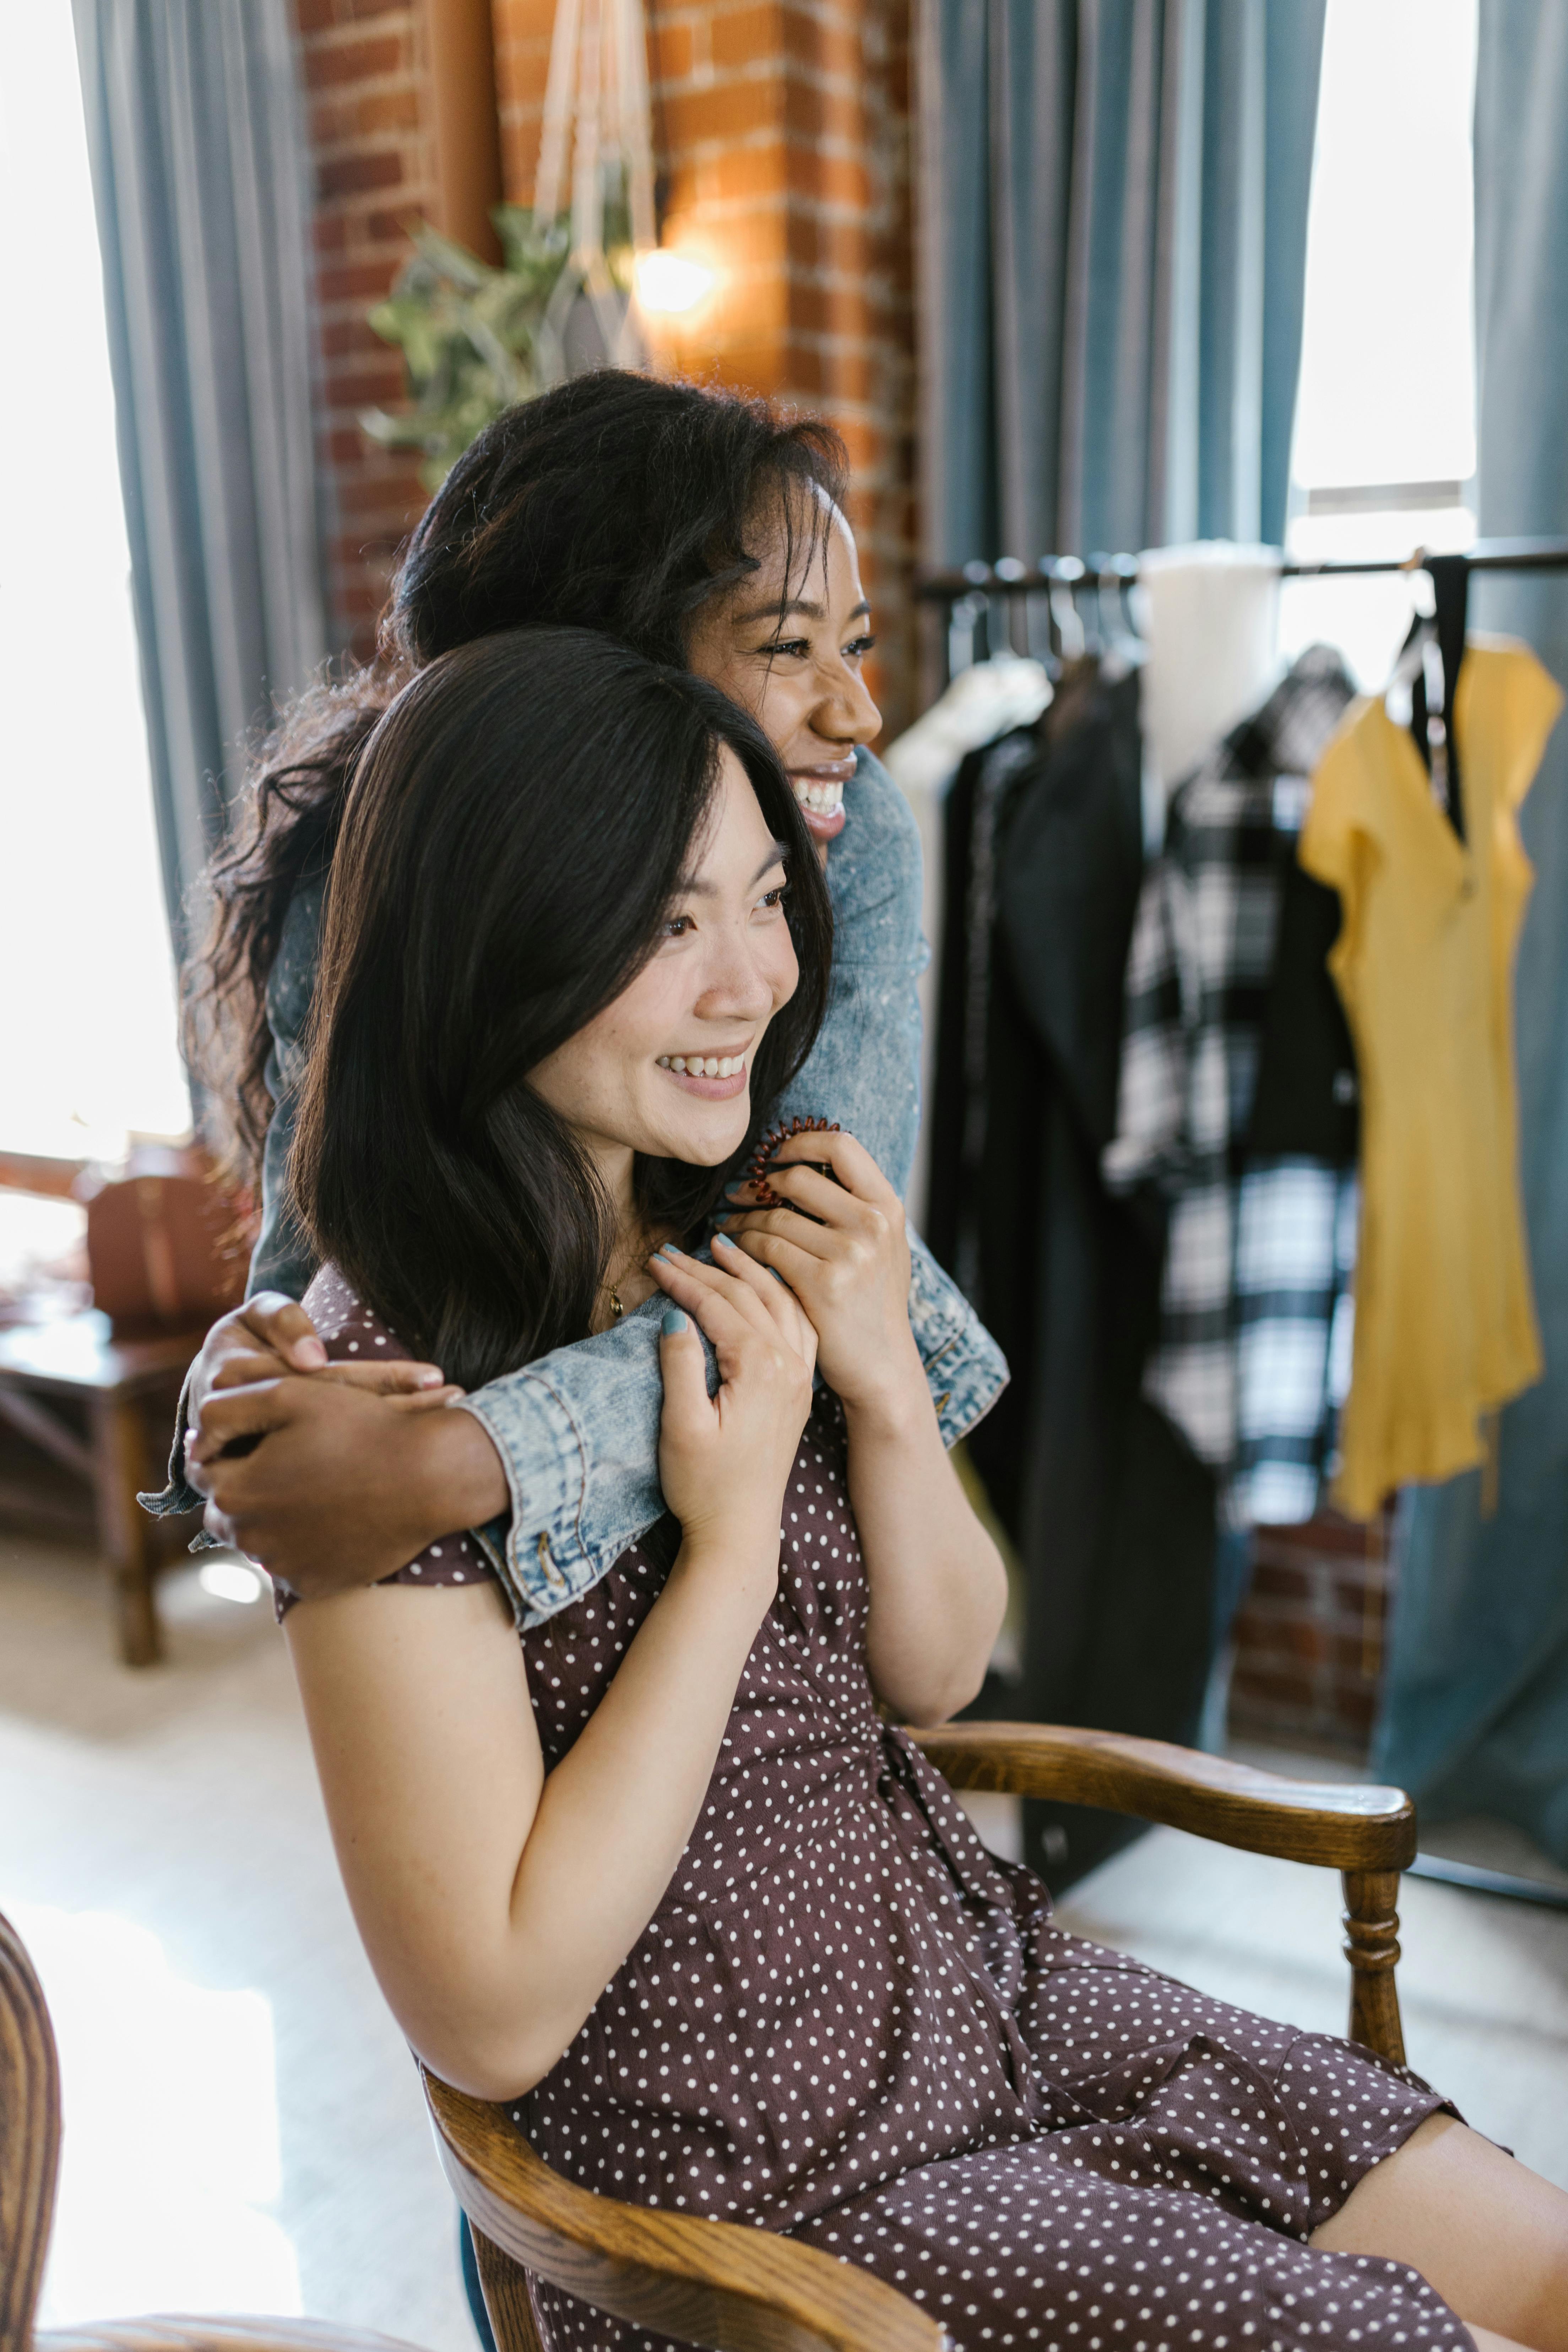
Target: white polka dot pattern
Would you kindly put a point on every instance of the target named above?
(848, 2021)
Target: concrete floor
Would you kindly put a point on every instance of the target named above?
(243, 2127)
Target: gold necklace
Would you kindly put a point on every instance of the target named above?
(611, 1290)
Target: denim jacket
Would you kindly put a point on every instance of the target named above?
(577, 1431)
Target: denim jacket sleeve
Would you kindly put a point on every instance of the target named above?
(577, 1431)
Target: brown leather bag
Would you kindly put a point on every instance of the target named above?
(167, 1248)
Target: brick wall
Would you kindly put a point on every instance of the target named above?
(366, 78)
(1310, 1638)
(781, 129)
(782, 134)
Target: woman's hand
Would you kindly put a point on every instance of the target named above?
(724, 1461)
(271, 1336)
(938, 1588)
(328, 1487)
(849, 1268)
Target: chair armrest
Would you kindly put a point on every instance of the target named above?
(1333, 1823)
(734, 2288)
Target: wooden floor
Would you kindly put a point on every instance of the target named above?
(242, 2130)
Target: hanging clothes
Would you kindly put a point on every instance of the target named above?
(1197, 999)
(1111, 1515)
(983, 702)
(1295, 1261)
(1297, 1208)
(1445, 1325)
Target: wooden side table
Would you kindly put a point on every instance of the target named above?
(102, 1408)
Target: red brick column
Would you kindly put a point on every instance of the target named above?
(781, 129)
(1310, 1637)
(366, 78)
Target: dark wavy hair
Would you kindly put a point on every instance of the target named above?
(615, 502)
(519, 821)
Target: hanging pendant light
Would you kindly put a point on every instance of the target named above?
(596, 99)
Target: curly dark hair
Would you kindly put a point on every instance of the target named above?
(615, 502)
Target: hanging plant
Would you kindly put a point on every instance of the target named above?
(476, 338)
(470, 333)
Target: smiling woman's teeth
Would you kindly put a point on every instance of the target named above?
(700, 1066)
(822, 799)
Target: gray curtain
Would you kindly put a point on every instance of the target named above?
(1113, 228)
(1475, 1718)
(198, 167)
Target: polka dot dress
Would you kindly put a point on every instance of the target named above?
(847, 2021)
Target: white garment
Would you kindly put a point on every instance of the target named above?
(1210, 614)
(983, 701)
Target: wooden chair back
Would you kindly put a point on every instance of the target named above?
(167, 1247)
(29, 2139)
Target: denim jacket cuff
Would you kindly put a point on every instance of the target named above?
(177, 1496)
(965, 1368)
(539, 1555)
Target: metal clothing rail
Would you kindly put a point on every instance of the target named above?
(1058, 581)
(1010, 577)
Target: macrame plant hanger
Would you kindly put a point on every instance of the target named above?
(597, 94)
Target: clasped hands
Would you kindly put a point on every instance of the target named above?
(333, 1475)
(328, 1475)
(839, 1244)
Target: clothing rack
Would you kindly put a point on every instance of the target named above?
(969, 592)
(968, 595)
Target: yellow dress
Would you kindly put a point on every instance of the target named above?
(1445, 1323)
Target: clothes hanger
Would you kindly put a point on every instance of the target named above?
(1427, 670)
(1065, 574)
(1450, 578)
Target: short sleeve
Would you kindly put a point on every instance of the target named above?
(351, 1333)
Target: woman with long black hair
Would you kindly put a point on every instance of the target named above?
(660, 1876)
(707, 533)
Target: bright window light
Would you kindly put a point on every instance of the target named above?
(1385, 452)
(668, 283)
(87, 988)
(1387, 389)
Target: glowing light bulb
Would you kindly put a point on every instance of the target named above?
(668, 283)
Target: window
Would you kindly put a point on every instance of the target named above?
(1385, 454)
(87, 1050)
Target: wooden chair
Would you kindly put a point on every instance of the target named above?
(100, 1408)
(746, 2290)
(29, 2169)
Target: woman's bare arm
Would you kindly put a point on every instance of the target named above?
(496, 1902)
